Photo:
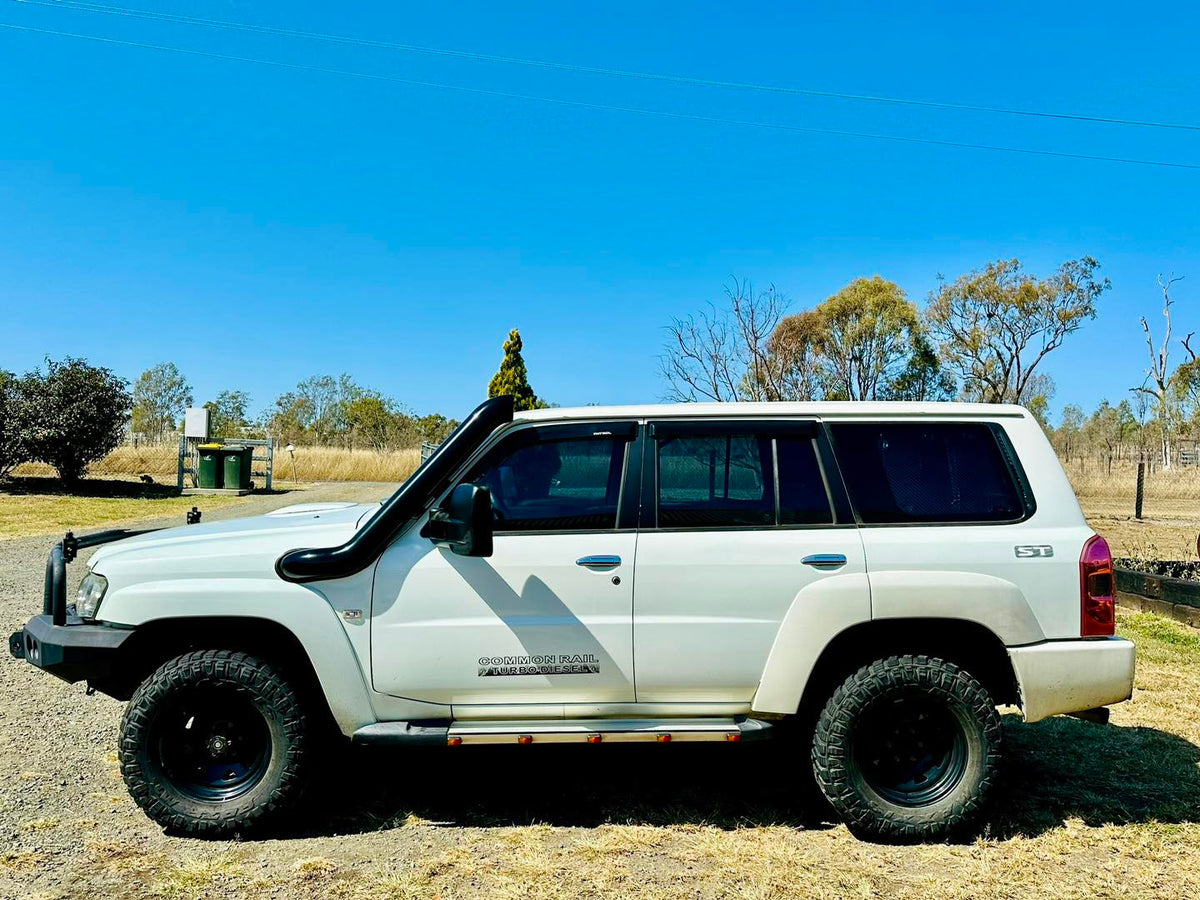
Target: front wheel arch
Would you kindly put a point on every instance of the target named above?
(156, 641)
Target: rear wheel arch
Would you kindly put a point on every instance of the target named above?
(969, 645)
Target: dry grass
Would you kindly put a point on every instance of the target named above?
(1171, 509)
(1173, 494)
(336, 464)
(1087, 811)
(313, 464)
(159, 462)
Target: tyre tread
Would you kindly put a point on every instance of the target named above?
(836, 722)
(259, 679)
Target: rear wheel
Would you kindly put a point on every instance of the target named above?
(214, 743)
(907, 748)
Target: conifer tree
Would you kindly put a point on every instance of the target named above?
(513, 378)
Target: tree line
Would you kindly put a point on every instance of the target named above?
(329, 410)
(979, 337)
(72, 414)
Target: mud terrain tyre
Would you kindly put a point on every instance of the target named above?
(907, 749)
(214, 743)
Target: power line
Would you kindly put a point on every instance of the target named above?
(583, 104)
(81, 5)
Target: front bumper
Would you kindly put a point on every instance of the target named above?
(72, 651)
(1069, 676)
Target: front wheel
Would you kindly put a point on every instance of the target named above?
(907, 748)
(214, 743)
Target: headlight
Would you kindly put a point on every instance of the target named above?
(91, 590)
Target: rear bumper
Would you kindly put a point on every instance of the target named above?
(1068, 676)
(72, 651)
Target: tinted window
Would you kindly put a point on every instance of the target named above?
(714, 481)
(549, 485)
(802, 496)
(926, 472)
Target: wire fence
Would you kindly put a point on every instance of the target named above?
(1133, 490)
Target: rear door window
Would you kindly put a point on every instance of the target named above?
(912, 472)
(709, 481)
(729, 478)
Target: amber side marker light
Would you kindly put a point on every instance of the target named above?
(594, 738)
(733, 736)
(524, 738)
(664, 738)
(453, 741)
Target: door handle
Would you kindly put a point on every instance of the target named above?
(598, 562)
(825, 560)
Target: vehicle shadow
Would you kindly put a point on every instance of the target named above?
(1064, 768)
(1057, 770)
(92, 487)
(583, 786)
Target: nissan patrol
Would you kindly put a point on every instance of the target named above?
(874, 577)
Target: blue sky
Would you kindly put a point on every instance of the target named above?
(259, 224)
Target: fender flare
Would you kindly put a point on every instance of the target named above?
(820, 612)
(302, 611)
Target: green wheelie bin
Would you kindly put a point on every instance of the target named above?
(237, 466)
(209, 472)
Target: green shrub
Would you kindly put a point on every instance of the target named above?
(71, 415)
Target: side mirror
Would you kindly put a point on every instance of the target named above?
(463, 522)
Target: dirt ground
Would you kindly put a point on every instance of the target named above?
(1084, 810)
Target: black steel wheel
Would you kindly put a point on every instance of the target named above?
(214, 743)
(911, 749)
(907, 748)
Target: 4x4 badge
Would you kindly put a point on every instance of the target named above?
(1028, 551)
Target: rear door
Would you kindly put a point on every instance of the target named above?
(738, 518)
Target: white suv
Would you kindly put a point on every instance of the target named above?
(872, 579)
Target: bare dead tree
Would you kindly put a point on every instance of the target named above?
(721, 354)
(1158, 376)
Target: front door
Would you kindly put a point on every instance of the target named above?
(547, 618)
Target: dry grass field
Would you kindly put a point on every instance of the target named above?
(1085, 811)
(1171, 508)
(313, 464)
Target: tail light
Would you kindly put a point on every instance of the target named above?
(1097, 604)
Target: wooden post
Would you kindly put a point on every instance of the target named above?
(1141, 485)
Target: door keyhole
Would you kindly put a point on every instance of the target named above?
(616, 579)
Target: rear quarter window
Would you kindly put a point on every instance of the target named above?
(935, 472)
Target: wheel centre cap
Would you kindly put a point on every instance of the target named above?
(218, 744)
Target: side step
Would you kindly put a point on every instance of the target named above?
(565, 731)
